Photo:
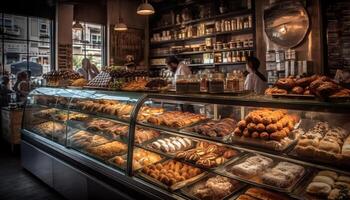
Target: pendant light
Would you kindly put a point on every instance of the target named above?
(77, 26)
(145, 9)
(120, 26)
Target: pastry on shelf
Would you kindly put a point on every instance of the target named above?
(146, 112)
(141, 158)
(171, 172)
(81, 139)
(320, 86)
(135, 85)
(283, 175)
(267, 125)
(324, 143)
(251, 166)
(51, 129)
(108, 150)
(171, 144)
(255, 193)
(99, 125)
(143, 135)
(207, 155)
(212, 188)
(329, 185)
(102, 80)
(176, 119)
(79, 82)
(214, 128)
(78, 116)
(47, 113)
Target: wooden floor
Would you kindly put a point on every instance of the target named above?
(17, 183)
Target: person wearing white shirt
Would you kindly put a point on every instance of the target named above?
(178, 68)
(255, 80)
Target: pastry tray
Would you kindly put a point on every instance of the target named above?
(147, 145)
(271, 144)
(171, 129)
(123, 167)
(187, 189)
(101, 114)
(187, 130)
(244, 190)
(85, 151)
(83, 126)
(171, 188)
(257, 180)
(323, 157)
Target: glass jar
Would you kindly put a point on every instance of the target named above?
(193, 83)
(203, 82)
(232, 82)
(233, 24)
(181, 84)
(216, 83)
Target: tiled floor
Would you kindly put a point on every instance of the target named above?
(17, 183)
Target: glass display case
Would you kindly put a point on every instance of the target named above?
(203, 146)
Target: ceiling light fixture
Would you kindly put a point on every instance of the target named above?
(145, 9)
(120, 26)
(77, 26)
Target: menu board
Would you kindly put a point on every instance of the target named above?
(338, 34)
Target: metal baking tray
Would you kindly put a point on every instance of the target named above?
(187, 130)
(123, 167)
(257, 180)
(300, 191)
(270, 144)
(244, 190)
(147, 145)
(166, 187)
(187, 190)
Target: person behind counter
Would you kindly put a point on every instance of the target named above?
(255, 80)
(5, 91)
(178, 68)
(88, 70)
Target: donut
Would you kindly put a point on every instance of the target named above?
(266, 121)
(242, 124)
(285, 83)
(264, 135)
(238, 132)
(251, 127)
(260, 127)
(257, 119)
(271, 128)
(255, 134)
(279, 125)
(278, 135)
(246, 133)
(297, 90)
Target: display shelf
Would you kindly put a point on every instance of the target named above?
(237, 13)
(237, 32)
(201, 52)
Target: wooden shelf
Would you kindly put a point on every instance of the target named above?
(201, 52)
(237, 32)
(195, 21)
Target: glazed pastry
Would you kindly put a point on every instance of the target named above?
(285, 83)
(171, 144)
(251, 166)
(175, 119)
(343, 179)
(297, 90)
(324, 179)
(327, 173)
(108, 150)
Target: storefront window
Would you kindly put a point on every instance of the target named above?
(88, 43)
(25, 39)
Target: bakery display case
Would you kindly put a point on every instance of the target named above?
(196, 146)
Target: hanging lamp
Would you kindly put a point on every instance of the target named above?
(145, 9)
(120, 26)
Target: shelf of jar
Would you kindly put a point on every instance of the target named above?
(201, 52)
(195, 21)
(236, 32)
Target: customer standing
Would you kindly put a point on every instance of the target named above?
(22, 86)
(255, 80)
(88, 70)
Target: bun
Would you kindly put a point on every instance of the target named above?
(330, 174)
(285, 83)
(297, 90)
(324, 179)
(318, 188)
